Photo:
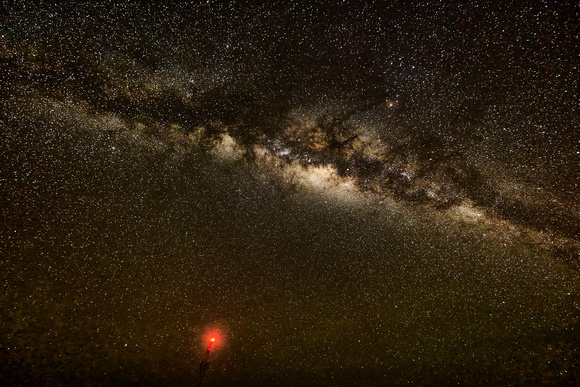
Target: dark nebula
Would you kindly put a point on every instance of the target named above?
(343, 193)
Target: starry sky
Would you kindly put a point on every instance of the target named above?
(342, 193)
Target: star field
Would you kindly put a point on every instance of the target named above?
(345, 193)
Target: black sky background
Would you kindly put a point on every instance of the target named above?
(128, 232)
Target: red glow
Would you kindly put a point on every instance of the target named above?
(212, 338)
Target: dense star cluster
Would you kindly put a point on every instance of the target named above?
(337, 193)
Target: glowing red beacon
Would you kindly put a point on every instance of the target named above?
(212, 339)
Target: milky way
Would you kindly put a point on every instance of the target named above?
(342, 193)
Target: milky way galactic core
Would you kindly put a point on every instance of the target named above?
(336, 193)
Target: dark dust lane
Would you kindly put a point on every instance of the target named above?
(341, 194)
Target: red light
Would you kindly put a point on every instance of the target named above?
(212, 338)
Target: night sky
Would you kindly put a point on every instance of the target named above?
(341, 193)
